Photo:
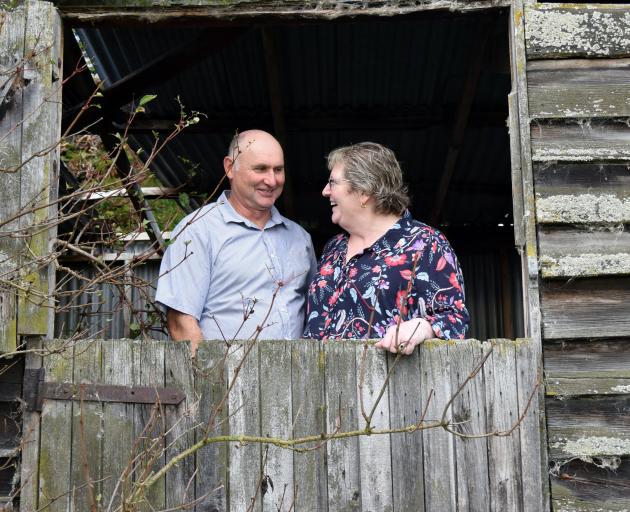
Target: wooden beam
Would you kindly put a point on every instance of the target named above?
(461, 121)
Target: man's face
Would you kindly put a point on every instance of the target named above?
(257, 174)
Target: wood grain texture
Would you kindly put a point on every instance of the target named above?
(586, 308)
(440, 481)
(276, 419)
(504, 453)
(578, 88)
(577, 30)
(309, 418)
(468, 413)
(406, 401)
(374, 452)
(588, 359)
(12, 31)
(582, 141)
(210, 389)
(587, 252)
(342, 456)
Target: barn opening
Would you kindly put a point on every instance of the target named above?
(432, 86)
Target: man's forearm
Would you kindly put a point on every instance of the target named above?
(182, 327)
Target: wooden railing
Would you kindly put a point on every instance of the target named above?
(288, 425)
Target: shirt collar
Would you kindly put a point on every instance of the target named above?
(229, 214)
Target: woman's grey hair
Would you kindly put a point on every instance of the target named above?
(373, 169)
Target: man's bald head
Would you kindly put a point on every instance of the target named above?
(250, 140)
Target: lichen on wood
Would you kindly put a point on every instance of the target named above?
(586, 448)
(584, 265)
(582, 209)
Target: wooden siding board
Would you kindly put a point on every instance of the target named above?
(276, 420)
(244, 417)
(563, 387)
(180, 424)
(342, 456)
(469, 415)
(309, 418)
(582, 140)
(210, 388)
(374, 452)
(406, 401)
(578, 88)
(41, 132)
(118, 432)
(586, 308)
(12, 30)
(588, 359)
(577, 30)
(440, 483)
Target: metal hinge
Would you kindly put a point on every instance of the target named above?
(35, 391)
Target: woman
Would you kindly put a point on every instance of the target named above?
(389, 276)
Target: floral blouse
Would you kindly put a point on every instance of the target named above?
(410, 272)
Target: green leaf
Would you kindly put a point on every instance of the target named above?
(146, 99)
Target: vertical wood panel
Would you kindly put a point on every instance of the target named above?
(406, 403)
(41, 130)
(244, 418)
(344, 486)
(375, 451)
(212, 459)
(180, 422)
(118, 367)
(440, 486)
(309, 417)
(469, 415)
(86, 428)
(276, 420)
(148, 359)
(502, 413)
(56, 433)
(12, 31)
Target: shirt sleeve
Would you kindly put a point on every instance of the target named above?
(186, 270)
(445, 303)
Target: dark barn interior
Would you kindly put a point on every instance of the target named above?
(433, 87)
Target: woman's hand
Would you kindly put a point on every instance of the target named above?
(410, 334)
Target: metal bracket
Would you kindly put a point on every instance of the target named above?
(36, 391)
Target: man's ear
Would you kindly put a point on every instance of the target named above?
(228, 167)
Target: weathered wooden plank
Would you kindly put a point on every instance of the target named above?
(406, 401)
(149, 433)
(118, 433)
(309, 418)
(517, 171)
(276, 420)
(586, 252)
(562, 387)
(597, 359)
(56, 424)
(504, 452)
(12, 30)
(86, 428)
(469, 418)
(440, 482)
(580, 141)
(210, 387)
(208, 11)
(578, 88)
(41, 132)
(374, 452)
(344, 483)
(577, 30)
(180, 425)
(582, 486)
(244, 418)
(588, 426)
(30, 437)
(586, 308)
(532, 430)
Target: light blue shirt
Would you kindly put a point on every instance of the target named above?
(223, 270)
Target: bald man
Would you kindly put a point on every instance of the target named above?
(237, 264)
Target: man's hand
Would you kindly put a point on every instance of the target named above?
(183, 327)
(410, 334)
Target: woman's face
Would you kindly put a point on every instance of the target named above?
(345, 204)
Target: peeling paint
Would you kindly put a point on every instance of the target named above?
(582, 209)
(589, 264)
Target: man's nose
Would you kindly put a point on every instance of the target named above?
(271, 180)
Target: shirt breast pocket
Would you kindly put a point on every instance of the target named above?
(296, 265)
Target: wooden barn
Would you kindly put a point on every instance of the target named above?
(512, 122)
